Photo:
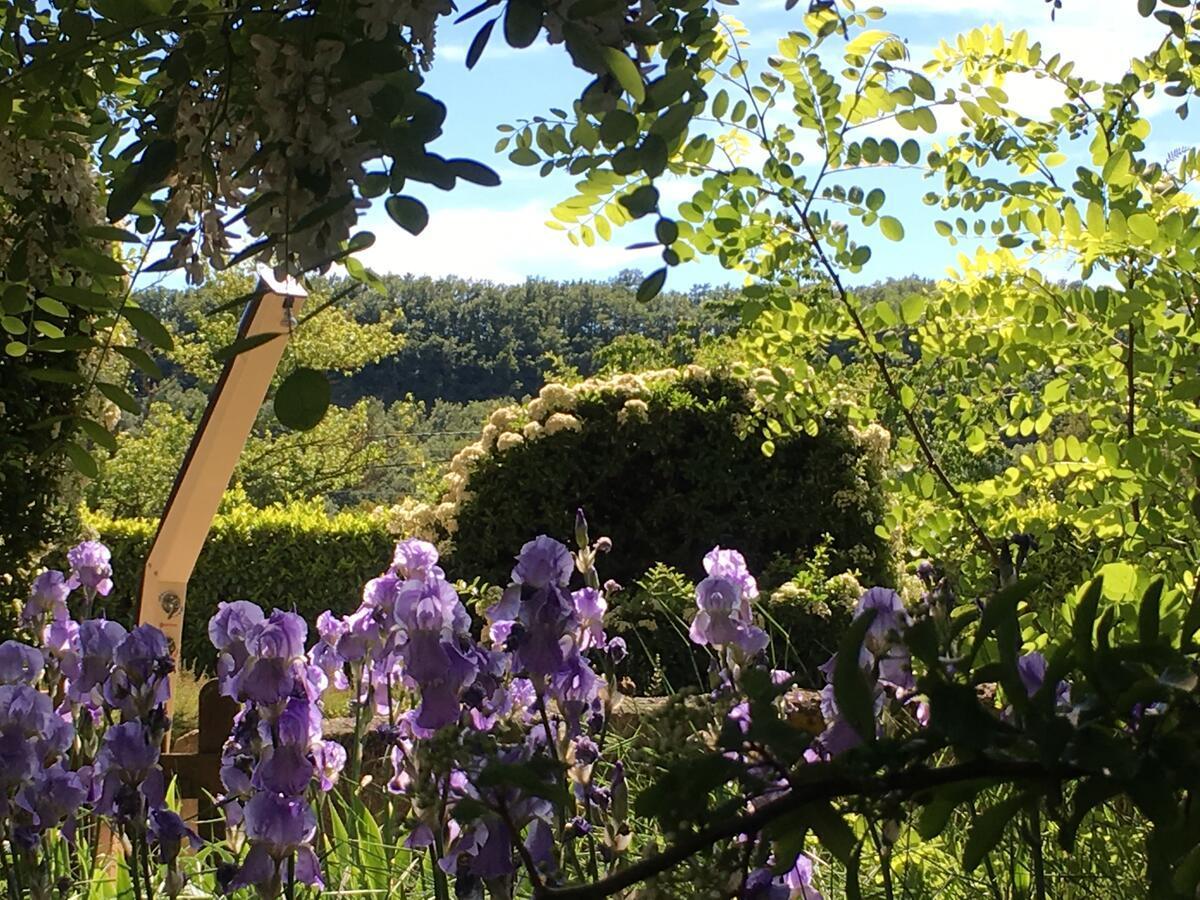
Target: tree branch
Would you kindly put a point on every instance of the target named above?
(830, 787)
(885, 372)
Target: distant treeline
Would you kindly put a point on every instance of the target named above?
(476, 340)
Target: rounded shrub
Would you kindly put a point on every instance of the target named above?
(666, 464)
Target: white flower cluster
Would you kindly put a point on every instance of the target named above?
(295, 139)
(48, 195)
(876, 441)
(418, 16)
(605, 25)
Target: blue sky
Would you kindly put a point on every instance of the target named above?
(499, 233)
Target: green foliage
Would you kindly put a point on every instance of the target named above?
(473, 340)
(294, 557)
(667, 468)
(168, 119)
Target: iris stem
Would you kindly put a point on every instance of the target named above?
(146, 868)
(131, 865)
(10, 874)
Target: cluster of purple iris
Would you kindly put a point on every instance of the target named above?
(276, 756)
(82, 721)
(456, 706)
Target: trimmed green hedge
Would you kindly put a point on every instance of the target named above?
(293, 557)
(668, 468)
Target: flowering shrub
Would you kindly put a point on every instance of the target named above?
(686, 432)
(82, 720)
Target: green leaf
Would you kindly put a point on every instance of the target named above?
(720, 104)
(522, 22)
(474, 172)
(1149, 612)
(479, 42)
(524, 156)
(99, 434)
(1143, 226)
(79, 297)
(1085, 619)
(407, 212)
(626, 72)
(302, 399)
(652, 285)
(988, 829)
(831, 829)
(148, 172)
(83, 461)
(111, 233)
(241, 345)
(119, 396)
(912, 308)
(149, 327)
(142, 360)
(910, 151)
(641, 201)
(52, 306)
(875, 200)
(891, 228)
(57, 376)
(935, 816)
(851, 688)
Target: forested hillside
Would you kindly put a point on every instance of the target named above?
(416, 369)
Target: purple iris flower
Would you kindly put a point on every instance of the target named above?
(138, 683)
(617, 649)
(277, 827)
(169, 833)
(228, 631)
(442, 671)
(494, 856)
(128, 770)
(91, 568)
(47, 597)
(575, 686)
(723, 619)
(799, 879)
(761, 884)
(590, 607)
(1032, 669)
(542, 562)
(28, 718)
(277, 664)
(20, 663)
(329, 758)
(299, 723)
(891, 618)
(285, 769)
(381, 592)
(731, 565)
(98, 641)
(415, 558)
(53, 797)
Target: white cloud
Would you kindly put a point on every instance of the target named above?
(505, 245)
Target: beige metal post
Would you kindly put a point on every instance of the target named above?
(212, 456)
